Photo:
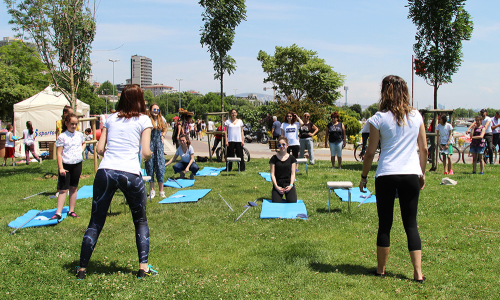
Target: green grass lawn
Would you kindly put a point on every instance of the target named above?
(201, 252)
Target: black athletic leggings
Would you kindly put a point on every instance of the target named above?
(294, 150)
(408, 188)
(106, 183)
(236, 148)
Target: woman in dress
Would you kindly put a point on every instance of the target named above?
(283, 173)
(157, 163)
(235, 139)
(336, 137)
(400, 129)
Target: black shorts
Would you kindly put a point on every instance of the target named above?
(72, 177)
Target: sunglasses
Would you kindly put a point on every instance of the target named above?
(156, 110)
(282, 145)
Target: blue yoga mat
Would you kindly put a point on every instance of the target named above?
(272, 210)
(41, 220)
(210, 171)
(86, 191)
(186, 196)
(267, 176)
(183, 182)
(355, 195)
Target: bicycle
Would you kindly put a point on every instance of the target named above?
(467, 156)
(221, 155)
(359, 148)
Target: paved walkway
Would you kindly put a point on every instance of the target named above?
(257, 150)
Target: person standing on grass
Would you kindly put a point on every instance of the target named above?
(477, 133)
(307, 131)
(495, 128)
(235, 139)
(29, 143)
(186, 153)
(218, 138)
(336, 137)
(283, 173)
(70, 145)
(157, 163)
(488, 135)
(276, 128)
(400, 129)
(123, 133)
(445, 131)
(9, 146)
(290, 129)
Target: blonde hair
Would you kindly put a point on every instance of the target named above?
(395, 98)
(158, 124)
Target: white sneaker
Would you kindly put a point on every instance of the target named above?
(40, 162)
(162, 195)
(152, 194)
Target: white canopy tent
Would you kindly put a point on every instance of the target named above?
(43, 110)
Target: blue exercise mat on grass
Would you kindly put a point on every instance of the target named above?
(183, 182)
(210, 171)
(355, 195)
(86, 191)
(272, 210)
(41, 220)
(186, 196)
(267, 176)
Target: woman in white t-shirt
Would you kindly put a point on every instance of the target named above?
(444, 132)
(123, 133)
(186, 153)
(400, 129)
(29, 143)
(290, 129)
(235, 139)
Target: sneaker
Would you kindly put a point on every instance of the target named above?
(152, 194)
(73, 214)
(340, 168)
(445, 172)
(162, 195)
(150, 273)
(191, 176)
(40, 162)
(56, 217)
(80, 275)
(481, 173)
(297, 170)
(473, 172)
(451, 172)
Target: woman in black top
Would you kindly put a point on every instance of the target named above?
(283, 173)
(335, 135)
(306, 133)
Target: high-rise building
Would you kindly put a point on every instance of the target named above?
(141, 70)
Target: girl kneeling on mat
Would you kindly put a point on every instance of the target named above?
(283, 167)
(187, 163)
(123, 133)
(70, 145)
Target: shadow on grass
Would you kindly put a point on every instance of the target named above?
(98, 268)
(325, 210)
(349, 269)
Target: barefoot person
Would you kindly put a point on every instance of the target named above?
(400, 129)
(121, 136)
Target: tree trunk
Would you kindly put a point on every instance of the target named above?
(221, 87)
(434, 154)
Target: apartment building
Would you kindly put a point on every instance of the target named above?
(141, 70)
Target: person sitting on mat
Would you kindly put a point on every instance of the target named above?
(187, 163)
(123, 133)
(283, 173)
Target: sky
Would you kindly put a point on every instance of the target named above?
(363, 40)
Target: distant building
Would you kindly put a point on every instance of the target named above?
(158, 88)
(128, 81)
(195, 93)
(96, 85)
(141, 70)
(8, 40)
(218, 94)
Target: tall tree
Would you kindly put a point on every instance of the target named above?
(297, 73)
(221, 18)
(106, 88)
(63, 31)
(442, 25)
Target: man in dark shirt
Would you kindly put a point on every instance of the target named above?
(276, 129)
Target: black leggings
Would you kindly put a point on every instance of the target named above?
(291, 196)
(106, 183)
(231, 149)
(408, 188)
(489, 146)
(294, 150)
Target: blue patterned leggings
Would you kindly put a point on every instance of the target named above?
(106, 183)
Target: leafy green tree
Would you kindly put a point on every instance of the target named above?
(442, 25)
(207, 103)
(221, 18)
(63, 31)
(21, 76)
(106, 88)
(297, 73)
(148, 97)
(356, 108)
(86, 94)
(370, 110)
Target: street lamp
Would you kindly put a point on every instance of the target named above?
(345, 89)
(235, 103)
(106, 99)
(179, 92)
(113, 61)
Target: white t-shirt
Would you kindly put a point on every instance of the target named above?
(122, 143)
(210, 126)
(488, 129)
(398, 143)
(444, 133)
(72, 146)
(185, 156)
(366, 127)
(291, 133)
(8, 143)
(191, 126)
(234, 130)
(495, 122)
(28, 138)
